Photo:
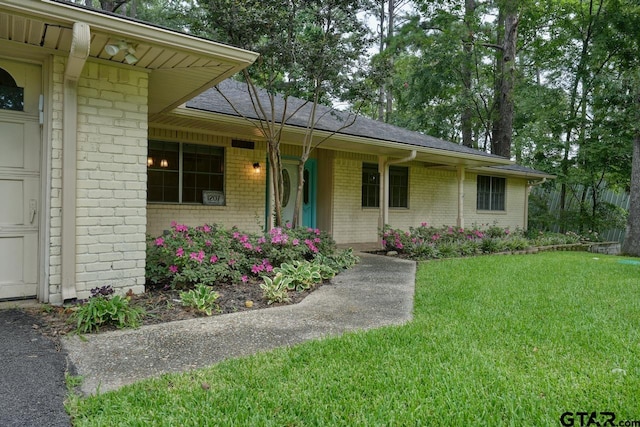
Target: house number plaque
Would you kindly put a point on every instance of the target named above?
(214, 198)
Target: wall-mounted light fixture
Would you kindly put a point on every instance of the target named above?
(256, 167)
(149, 161)
(113, 48)
(164, 163)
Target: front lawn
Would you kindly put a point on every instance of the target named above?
(495, 340)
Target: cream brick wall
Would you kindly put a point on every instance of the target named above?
(351, 222)
(245, 190)
(433, 198)
(111, 179)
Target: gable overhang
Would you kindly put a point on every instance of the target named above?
(194, 120)
(180, 66)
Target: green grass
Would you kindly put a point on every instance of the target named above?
(495, 340)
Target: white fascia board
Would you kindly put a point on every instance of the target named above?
(68, 14)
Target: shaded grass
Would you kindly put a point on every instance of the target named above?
(495, 340)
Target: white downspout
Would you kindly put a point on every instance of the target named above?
(525, 221)
(78, 55)
(384, 200)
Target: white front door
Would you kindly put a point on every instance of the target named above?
(290, 180)
(290, 188)
(20, 141)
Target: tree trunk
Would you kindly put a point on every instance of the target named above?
(631, 245)
(504, 130)
(275, 166)
(467, 112)
(381, 92)
(388, 92)
(497, 84)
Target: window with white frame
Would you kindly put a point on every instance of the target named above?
(491, 193)
(179, 173)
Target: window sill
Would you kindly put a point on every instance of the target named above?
(478, 211)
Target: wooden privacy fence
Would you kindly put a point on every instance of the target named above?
(552, 197)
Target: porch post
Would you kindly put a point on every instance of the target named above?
(75, 63)
(460, 219)
(383, 210)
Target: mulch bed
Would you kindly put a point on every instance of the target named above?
(163, 305)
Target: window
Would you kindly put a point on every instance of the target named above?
(179, 173)
(370, 186)
(398, 186)
(11, 96)
(491, 193)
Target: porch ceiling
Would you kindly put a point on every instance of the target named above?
(180, 66)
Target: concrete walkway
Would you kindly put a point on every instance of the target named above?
(376, 292)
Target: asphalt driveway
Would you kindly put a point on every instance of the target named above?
(32, 379)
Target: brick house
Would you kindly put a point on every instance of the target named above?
(109, 131)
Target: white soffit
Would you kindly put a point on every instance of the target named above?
(180, 66)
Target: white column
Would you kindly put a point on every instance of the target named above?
(75, 63)
(460, 219)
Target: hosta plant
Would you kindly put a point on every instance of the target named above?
(275, 289)
(303, 274)
(202, 298)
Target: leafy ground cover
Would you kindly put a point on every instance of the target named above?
(495, 340)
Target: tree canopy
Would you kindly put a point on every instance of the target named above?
(551, 84)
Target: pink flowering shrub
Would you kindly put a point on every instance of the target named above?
(208, 254)
(426, 242)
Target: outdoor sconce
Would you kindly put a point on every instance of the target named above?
(256, 167)
(113, 49)
(149, 162)
(164, 163)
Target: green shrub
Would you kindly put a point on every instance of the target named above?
(448, 250)
(517, 243)
(492, 245)
(426, 251)
(202, 299)
(427, 242)
(276, 289)
(338, 261)
(303, 274)
(469, 248)
(100, 310)
(551, 239)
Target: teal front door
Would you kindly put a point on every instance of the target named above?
(309, 194)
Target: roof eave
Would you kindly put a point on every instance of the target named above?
(530, 174)
(66, 13)
(394, 147)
